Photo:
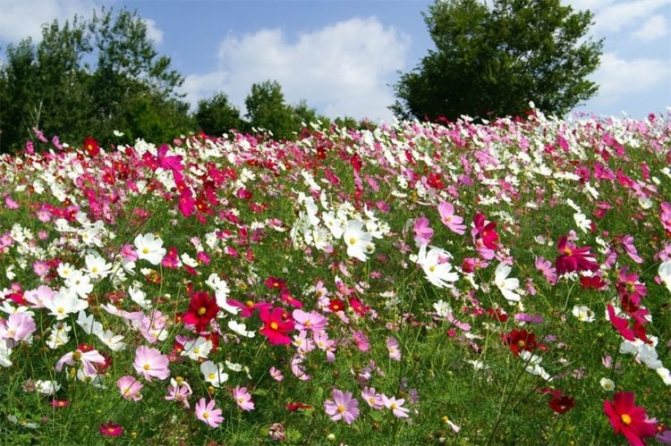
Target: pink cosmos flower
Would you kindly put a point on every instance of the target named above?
(309, 321)
(276, 374)
(179, 391)
(87, 359)
(423, 231)
(41, 268)
(150, 363)
(394, 351)
(361, 341)
(111, 429)
(208, 413)
(453, 222)
(130, 388)
(18, 327)
(546, 268)
(342, 407)
(242, 398)
(372, 398)
(630, 249)
(396, 406)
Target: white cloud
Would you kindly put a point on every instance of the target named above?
(153, 31)
(618, 77)
(341, 69)
(24, 18)
(654, 28)
(612, 17)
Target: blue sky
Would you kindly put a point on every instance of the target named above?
(343, 56)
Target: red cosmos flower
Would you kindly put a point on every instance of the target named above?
(286, 297)
(111, 429)
(275, 283)
(592, 282)
(358, 306)
(277, 324)
(202, 309)
(248, 307)
(628, 419)
(435, 180)
(519, 340)
(91, 146)
(485, 231)
(336, 305)
(293, 407)
(561, 403)
(620, 324)
(572, 258)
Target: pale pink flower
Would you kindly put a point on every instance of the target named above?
(393, 347)
(545, 267)
(630, 249)
(372, 398)
(87, 360)
(150, 363)
(276, 374)
(361, 341)
(18, 327)
(309, 321)
(130, 388)
(208, 413)
(243, 398)
(396, 406)
(179, 391)
(454, 222)
(342, 407)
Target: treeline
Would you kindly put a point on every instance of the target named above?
(103, 77)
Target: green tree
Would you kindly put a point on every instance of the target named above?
(90, 77)
(216, 116)
(491, 61)
(266, 109)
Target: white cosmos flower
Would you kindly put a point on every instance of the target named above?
(583, 313)
(665, 274)
(240, 329)
(359, 243)
(213, 373)
(97, 267)
(5, 351)
(58, 336)
(507, 286)
(139, 297)
(150, 248)
(79, 283)
(436, 266)
(65, 303)
(198, 349)
(65, 270)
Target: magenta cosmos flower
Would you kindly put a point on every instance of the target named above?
(342, 407)
(208, 413)
(150, 363)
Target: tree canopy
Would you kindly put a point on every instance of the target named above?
(90, 77)
(490, 61)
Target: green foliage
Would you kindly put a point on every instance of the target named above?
(491, 61)
(216, 116)
(52, 85)
(266, 109)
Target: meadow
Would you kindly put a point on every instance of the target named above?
(495, 283)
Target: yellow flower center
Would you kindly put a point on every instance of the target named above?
(145, 250)
(341, 408)
(274, 326)
(146, 367)
(352, 240)
(206, 415)
(211, 376)
(626, 419)
(202, 311)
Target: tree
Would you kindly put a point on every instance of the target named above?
(267, 110)
(90, 78)
(491, 61)
(216, 116)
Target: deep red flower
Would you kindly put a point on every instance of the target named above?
(561, 403)
(592, 282)
(286, 297)
(628, 419)
(277, 325)
(202, 309)
(336, 305)
(275, 283)
(292, 407)
(519, 340)
(620, 324)
(435, 180)
(572, 259)
(485, 231)
(111, 429)
(358, 306)
(91, 146)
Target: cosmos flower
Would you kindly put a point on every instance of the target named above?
(342, 406)
(208, 413)
(628, 419)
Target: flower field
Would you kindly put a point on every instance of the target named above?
(506, 283)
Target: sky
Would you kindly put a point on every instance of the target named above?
(344, 56)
